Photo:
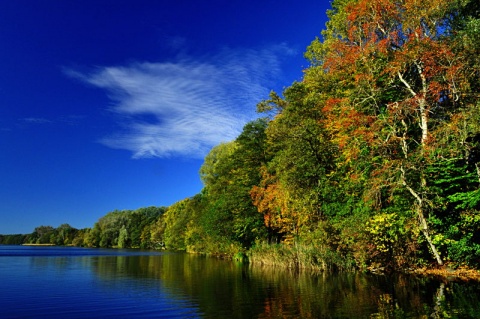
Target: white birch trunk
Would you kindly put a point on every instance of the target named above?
(423, 114)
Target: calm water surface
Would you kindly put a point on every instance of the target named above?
(61, 282)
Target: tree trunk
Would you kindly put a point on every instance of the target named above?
(421, 218)
(424, 228)
(423, 110)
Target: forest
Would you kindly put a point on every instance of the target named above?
(370, 161)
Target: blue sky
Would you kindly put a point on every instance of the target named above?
(110, 105)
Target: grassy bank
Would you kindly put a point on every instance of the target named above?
(300, 256)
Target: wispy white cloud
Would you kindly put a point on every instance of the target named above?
(71, 119)
(185, 107)
(36, 120)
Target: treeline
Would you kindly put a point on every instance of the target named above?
(371, 160)
(117, 229)
(62, 235)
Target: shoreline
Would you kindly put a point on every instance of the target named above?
(461, 273)
(446, 273)
(38, 244)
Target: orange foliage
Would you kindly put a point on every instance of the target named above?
(272, 201)
(403, 36)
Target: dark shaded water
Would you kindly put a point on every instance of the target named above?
(54, 282)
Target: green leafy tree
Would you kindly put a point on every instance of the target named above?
(217, 175)
(229, 172)
(107, 229)
(42, 235)
(81, 238)
(65, 234)
(303, 155)
(176, 220)
(138, 221)
(122, 237)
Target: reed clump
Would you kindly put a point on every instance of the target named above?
(299, 256)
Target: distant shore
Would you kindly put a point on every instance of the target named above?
(38, 244)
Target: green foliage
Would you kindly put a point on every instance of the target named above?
(176, 221)
(229, 172)
(123, 229)
(393, 240)
(455, 213)
(16, 239)
(122, 237)
(385, 230)
(63, 235)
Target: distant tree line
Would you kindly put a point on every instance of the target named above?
(119, 229)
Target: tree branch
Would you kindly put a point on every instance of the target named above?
(406, 84)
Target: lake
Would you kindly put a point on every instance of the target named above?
(69, 282)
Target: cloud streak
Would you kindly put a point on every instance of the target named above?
(36, 120)
(183, 108)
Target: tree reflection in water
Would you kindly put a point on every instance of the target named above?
(224, 288)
